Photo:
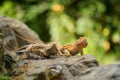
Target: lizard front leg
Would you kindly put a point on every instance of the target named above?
(81, 51)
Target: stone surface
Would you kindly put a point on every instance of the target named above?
(16, 34)
(18, 28)
(61, 68)
(66, 68)
(106, 72)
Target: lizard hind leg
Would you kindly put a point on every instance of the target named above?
(66, 53)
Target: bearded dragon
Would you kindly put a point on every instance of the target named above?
(53, 49)
(74, 48)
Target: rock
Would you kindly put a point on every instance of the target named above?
(20, 29)
(61, 68)
(106, 72)
(66, 68)
(16, 34)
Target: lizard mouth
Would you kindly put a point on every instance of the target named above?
(85, 44)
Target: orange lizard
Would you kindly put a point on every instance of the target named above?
(74, 48)
(54, 49)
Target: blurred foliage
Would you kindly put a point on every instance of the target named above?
(4, 77)
(65, 21)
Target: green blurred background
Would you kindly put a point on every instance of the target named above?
(64, 21)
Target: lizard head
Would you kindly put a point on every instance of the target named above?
(81, 42)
